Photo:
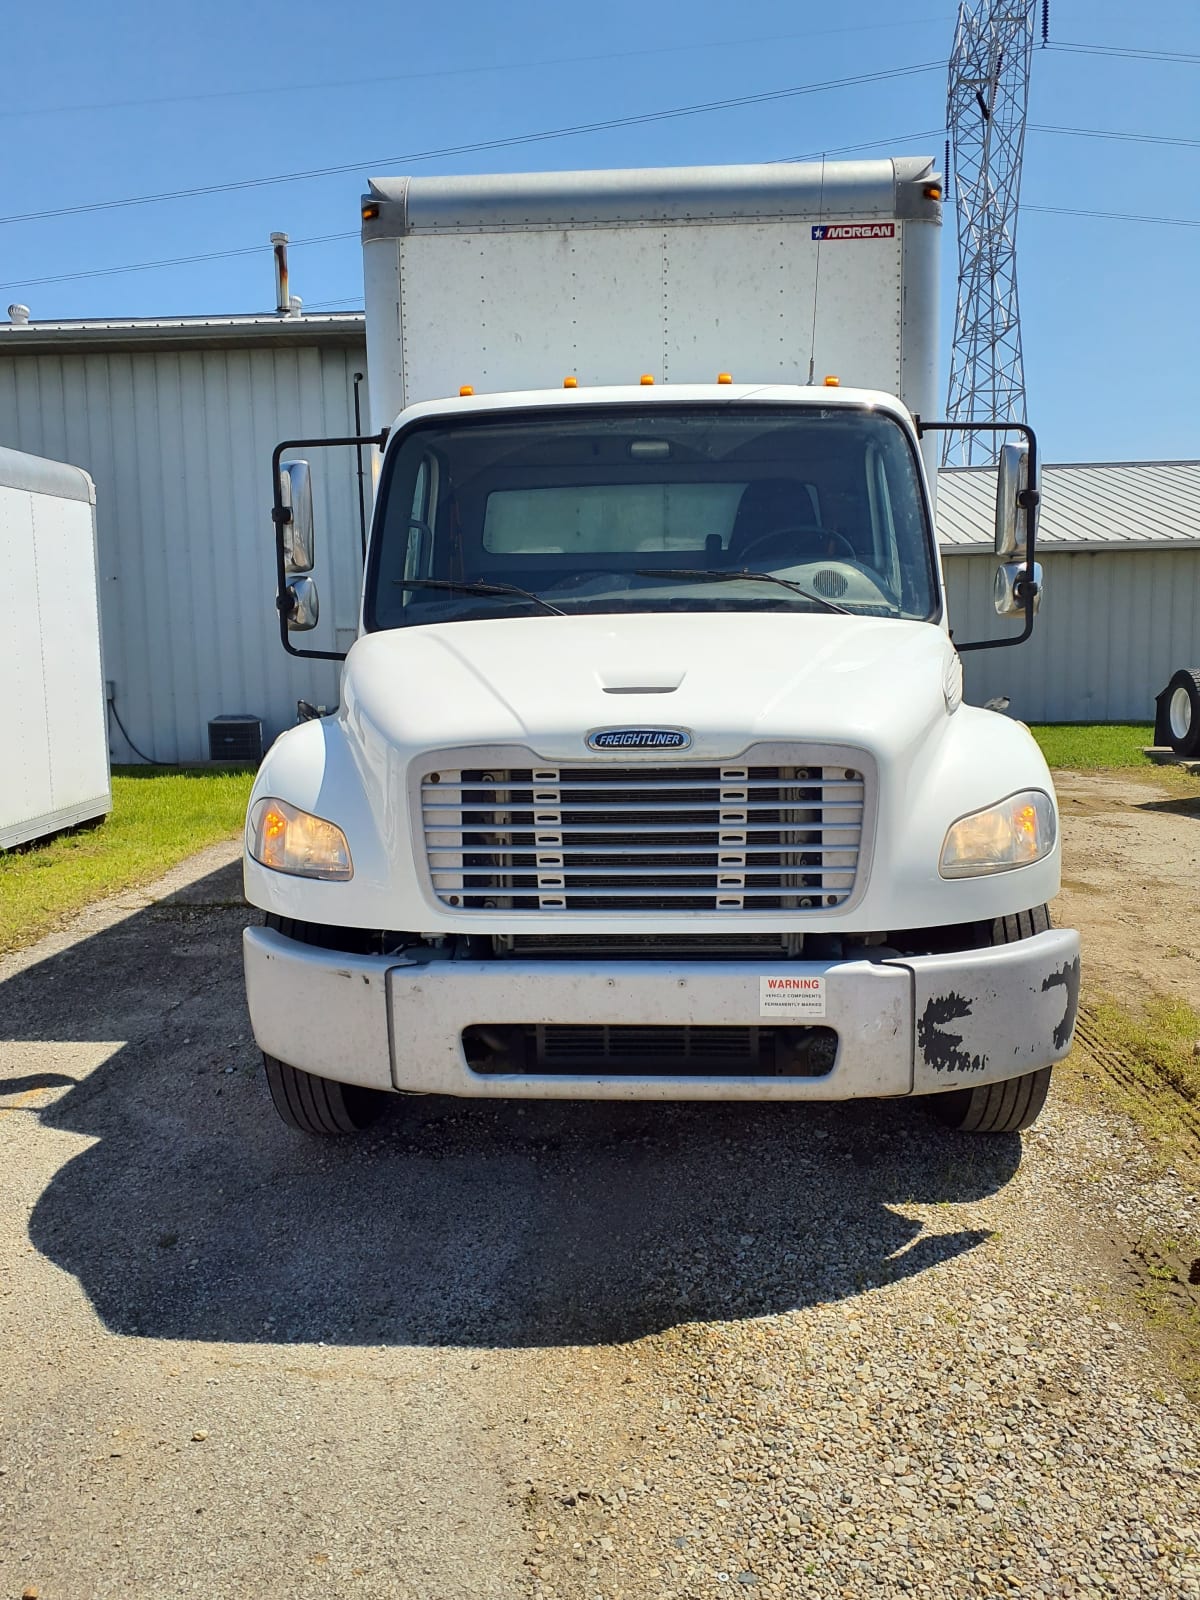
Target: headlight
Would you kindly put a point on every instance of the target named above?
(287, 839)
(1014, 833)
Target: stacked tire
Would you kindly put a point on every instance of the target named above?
(1177, 718)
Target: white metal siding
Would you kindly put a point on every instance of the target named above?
(683, 303)
(1113, 627)
(179, 444)
(55, 766)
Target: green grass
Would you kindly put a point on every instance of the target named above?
(159, 816)
(1160, 1041)
(1092, 746)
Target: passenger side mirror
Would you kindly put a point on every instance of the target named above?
(295, 493)
(1012, 497)
(1011, 585)
(301, 605)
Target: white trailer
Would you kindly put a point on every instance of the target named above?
(55, 770)
(651, 776)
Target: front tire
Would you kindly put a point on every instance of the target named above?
(1011, 1106)
(320, 1105)
(305, 1102)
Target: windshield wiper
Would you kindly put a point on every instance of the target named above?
(479, 588)
(709, 576)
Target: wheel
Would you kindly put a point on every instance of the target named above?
(1011, 1106)
(1183, 712)
(319, 1105)
(305, 1102)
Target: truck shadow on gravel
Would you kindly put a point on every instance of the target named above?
(194, 1214)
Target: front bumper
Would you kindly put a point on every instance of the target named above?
(918, 1025)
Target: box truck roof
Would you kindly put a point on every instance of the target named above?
(777, 274)
(893, 188)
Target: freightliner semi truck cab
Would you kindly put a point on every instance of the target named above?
(651, 776)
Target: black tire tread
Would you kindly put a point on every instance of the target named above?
(1013, 1105)
(1186, 678)
(305, 1102)
(319, 1105)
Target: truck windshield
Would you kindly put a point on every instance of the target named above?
(634, 509)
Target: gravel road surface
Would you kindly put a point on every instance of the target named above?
(576, 1351)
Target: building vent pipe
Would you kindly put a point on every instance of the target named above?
(19, 316)
(279, 243)
(295, 306)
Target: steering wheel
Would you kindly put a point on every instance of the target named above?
(804, 534)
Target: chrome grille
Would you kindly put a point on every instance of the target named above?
(604, 837)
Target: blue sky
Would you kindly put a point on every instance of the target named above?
(137, 98)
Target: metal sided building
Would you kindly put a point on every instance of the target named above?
(175, 421)
(1119, 545)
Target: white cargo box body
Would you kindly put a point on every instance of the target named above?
(773, 274)
(54, 770)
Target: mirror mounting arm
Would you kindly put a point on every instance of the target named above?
(281, 515)
(1028, 501)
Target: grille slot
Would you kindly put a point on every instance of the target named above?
(651, 946)
(681, 1050)
(684, 837)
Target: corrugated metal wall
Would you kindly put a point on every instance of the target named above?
(179, 444)
(1114, 625)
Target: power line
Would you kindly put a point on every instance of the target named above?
(259, 90)
(1114, 133)
(636, 120)
(869, 144)
(845, 149)
(323, 238)
(1126, 53)
(170, 261)
(1116, 216)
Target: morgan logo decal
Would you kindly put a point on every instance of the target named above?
(639, 739)
(854, 230)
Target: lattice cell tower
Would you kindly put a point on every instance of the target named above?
(987, 101)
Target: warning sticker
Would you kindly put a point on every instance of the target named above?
(854, 230)
(788, 996)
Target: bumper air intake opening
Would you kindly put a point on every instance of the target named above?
(609, 1050)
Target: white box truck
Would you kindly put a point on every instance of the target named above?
(651, 777)
(54, 773)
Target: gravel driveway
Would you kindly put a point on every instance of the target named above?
(569, 1351)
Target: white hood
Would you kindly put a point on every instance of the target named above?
(729, 679)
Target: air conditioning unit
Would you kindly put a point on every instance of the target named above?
(235, 738)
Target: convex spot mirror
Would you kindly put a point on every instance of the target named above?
(1012, 484)
(302, 607)
(1009, 588)
(295, 491)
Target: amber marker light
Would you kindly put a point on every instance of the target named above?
(724, 377)
(647, 380)
(273, 824)
(570, 383)
(831, 382)
(465, 390)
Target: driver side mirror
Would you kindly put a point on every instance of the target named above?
(1014, 495)
(295, 493)
(301, 606)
